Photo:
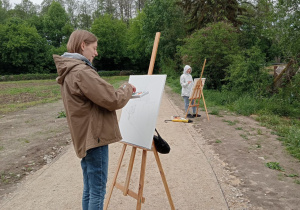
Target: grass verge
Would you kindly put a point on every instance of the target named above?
(274, 113)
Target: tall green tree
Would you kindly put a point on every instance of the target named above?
(22, 49)
(288, 16)
(4, 7)
(139, 4)
(273, 26)
(57, 28)
(201, 12)
(137, 44)
(110, 7)
(217, 43)
(25, 9)
(45, 5)
(162, 16)
(98, 8)
(85, 16)
(72, 9)
(112, 42)
(259, 29)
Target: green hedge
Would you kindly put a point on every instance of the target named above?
(54, 75)
(27, 77)
(115, 73)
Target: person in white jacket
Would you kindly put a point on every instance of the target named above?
(186, 82)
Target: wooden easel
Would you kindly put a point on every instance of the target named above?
(126, 191)
(196, 95)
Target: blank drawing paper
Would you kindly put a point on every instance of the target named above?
(138, 118)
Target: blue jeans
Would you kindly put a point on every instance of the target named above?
(94, 168)
(187, 103)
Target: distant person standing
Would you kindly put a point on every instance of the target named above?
(186, 82)
(90, 103)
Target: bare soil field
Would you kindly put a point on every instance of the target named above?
(32, 138)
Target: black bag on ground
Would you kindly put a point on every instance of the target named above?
(161, 145)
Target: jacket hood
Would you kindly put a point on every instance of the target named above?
(187, 67)
(65, 63)
(64, 66)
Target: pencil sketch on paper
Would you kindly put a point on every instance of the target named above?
(138, 118)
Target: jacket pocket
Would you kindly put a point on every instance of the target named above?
(97, 123)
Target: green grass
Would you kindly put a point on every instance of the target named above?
(116, 81)
(216, 112)
(287, 129)
(292, 175)
(231, 122)
(297, 181)
(19, 95)
(4, 178)
(259, 131)
(244, 136)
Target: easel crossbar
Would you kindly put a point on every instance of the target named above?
(129, 192)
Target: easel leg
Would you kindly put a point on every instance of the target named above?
(130, 166)
(204, 105)
(163, 177)
(142, 178)
(115, 178)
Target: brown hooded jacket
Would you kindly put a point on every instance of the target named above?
(90, 103)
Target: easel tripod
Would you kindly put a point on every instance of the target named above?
(196, 95)
(125, 188)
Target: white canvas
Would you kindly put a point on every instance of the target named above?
(138, 118)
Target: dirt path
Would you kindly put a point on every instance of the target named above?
(216, 164)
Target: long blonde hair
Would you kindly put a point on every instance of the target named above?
(77, 38)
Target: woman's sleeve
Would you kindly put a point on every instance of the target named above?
(103, 93)
(183, 83)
